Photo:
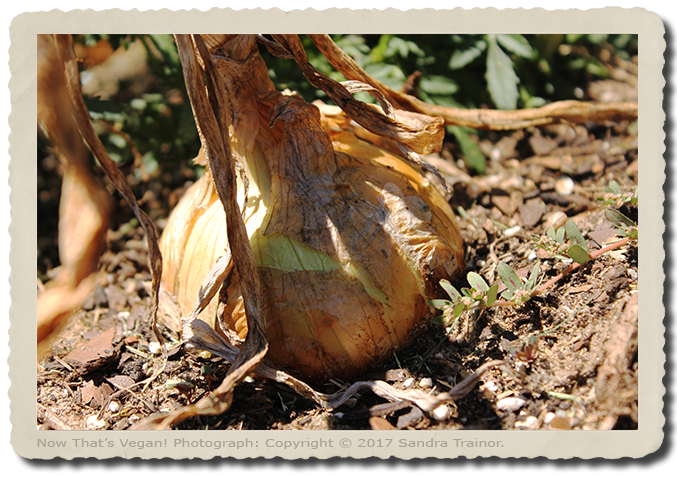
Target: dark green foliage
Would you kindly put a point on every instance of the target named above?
(158, 120)
(494, 70)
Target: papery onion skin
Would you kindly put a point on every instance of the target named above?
(350, 241)
(382, 252)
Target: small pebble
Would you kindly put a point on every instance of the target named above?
(495, 154)
(154, 347)
(532, 256)
(441, 413)
(511, 404)
(426, 383)
(113, 406)
(565, 186)
(94, 423)
(549, 417)
(409, 382)
(512, 231)
(491, 386)
(530, 422)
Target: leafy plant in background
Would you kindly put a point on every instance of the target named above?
(507, 71)
(158, 122)
(502, 81)
(499, 70)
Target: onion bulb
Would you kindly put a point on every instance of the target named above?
(350, 241)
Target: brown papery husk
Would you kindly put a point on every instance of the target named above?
(350, 241)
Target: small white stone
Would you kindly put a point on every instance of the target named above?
(532, 256)
(123, 315)
(426, 383)
(511, 404)
(530, 422)
(549, 417)
(154, 347)
(512, 231)
(114, 406)
(409, 382)
(94, 423)
(495, 154)
(491, 386)
(565, 186)
(441, 413)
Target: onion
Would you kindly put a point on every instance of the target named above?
(350, 241)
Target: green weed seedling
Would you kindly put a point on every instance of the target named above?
(479, 295)
(614, 196)
(553, 242)
(519, 291)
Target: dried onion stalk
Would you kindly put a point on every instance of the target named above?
(350, 241)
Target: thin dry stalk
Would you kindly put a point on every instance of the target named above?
(84, 207)
(422, 134)
(570, 111)
(211, 109)
(64, 47)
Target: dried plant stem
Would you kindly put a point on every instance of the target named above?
(568, 270)
(576, 265)
(211, 109)
(569, 111)
(81, 115)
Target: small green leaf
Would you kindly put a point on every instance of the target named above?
(501, 78)
(206, 370)
(477, 282)
(461, 58)
(619, 219)
(440, 85)
(467, 292)
(579, 254)
(470, 150)
(459, 309)
(516, 44)
(575, 236)
(533, 277)
(559, 237)
(451, 291)
(614, 188)
(491, 295)
(551, 233)
(438, 320)
(509, 277)
(507, 295)
(167, 47)
(439, 304)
